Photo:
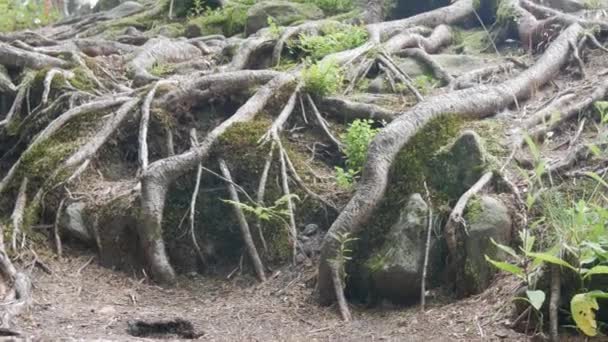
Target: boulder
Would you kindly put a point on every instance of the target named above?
(395, 270)
(282, 12)
(487, 217)
(73, 223)
(459, 165)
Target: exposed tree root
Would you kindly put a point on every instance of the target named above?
(245, 232)
(474, 102)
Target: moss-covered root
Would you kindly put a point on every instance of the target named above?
(476, 102)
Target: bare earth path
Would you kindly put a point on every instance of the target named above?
(97, 303)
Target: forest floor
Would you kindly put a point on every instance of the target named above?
(82, 300)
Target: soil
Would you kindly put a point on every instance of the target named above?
(81, 300)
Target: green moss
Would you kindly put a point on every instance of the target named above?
(473, 41)
(407, 176)
(82, 81)
(474, 209)
(172, 30)
(229, 20)
(161, 69)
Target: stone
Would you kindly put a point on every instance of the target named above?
(282, 12)
(486, 218)
(459, 166)
(310, 229)
(73, 223)
(395, 270)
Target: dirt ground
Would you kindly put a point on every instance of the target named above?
(81, 300)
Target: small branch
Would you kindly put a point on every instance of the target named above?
(393, 67)
(199, 174)
(577, 58)
(427, 249)
(262, 192)
(251, 249)
(425, 58)
(17, 216)
(56, 236)
(285, 184)
(339, 290)
(322, 123)
(554, 303)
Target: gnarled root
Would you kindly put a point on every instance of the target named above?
(475, 102)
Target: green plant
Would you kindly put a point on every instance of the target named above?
(323, 78)
(275, 30)
(344, 254)
(161, 69)
(277, 212)
(357, 139)
(229, 19)
(197, 8)
(15, 15)
(424, 83)
(580, 246)
(333, 38)
(345, 178)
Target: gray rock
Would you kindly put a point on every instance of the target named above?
(487, 217)
(310, 229)
(396, 269)
(282, 12)
(73, 222)
(458, 166)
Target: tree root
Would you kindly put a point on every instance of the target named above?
(350, 110)
(452, 230)
(475, 102)
(245, 232)
(17, 216)
(157, 177)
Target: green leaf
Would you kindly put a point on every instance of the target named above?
(506, 249)
(552, 259)
(510, 268)
(536, 297)
(599, 269)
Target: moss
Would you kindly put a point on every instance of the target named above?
(172, 30)
(492, 132)
(229, 20)
(161, 69)
(407, 176)
(471, 41)
(82, 81)
(474, 209)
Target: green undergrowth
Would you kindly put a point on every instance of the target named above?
(323, 78)
(333, 37)
(228, 20)
(17, 15)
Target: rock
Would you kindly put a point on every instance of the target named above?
(458, 166)
(487, 217)
(396, 269)
(73, 223)
(310, 229)
(282, 12)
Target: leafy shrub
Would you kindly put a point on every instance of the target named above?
(357, 139)
(579, 232)
(229, 20)
(333, 38)
(16, 16)
(322, 78)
